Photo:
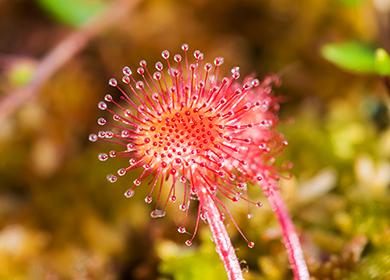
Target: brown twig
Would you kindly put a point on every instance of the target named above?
(63, 52)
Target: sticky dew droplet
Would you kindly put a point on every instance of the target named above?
(102, 156)
(137, 182)
(183, 179)
(218, 61)
(121, 172)
(93, 137)
(111, 178)
(185, 47)
(181, 229)
(129, 193)
(159, 66)
(157, 213)
(165, 54)
(108, 97)
(126, 79)
(244, 266)
(148, 199)
(183, 207)
(102, 105)
(242, 186)
(127, 71)
(177, 58)
(143, 63)
(113, 82)
(101, 121)
(255, 82)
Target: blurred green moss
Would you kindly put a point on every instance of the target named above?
(188, 263)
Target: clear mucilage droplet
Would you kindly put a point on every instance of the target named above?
(111, 178)
(127, 71)
(102, 156)
(102, 105)
(242, 186)
(121, 171)
(93, 137)
(129, 193)
(244, 266)
(101, 121)
(157, 213)
(181, 229)
(113, 82)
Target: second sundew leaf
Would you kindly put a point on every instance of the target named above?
(351, 56)
(73, 12)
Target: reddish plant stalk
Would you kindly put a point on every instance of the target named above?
(221, 238)
(290, 237)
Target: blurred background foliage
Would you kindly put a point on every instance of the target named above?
(60, 219)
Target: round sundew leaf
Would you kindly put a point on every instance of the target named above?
(382, 62)
(351, 56)
(73, 12)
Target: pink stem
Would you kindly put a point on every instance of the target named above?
(290, 237)
(221, 238)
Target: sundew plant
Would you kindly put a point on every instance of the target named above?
(206, 135)
(259, 151)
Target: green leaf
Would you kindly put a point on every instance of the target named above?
(351, 56)
(382, 62)
(73, 12)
